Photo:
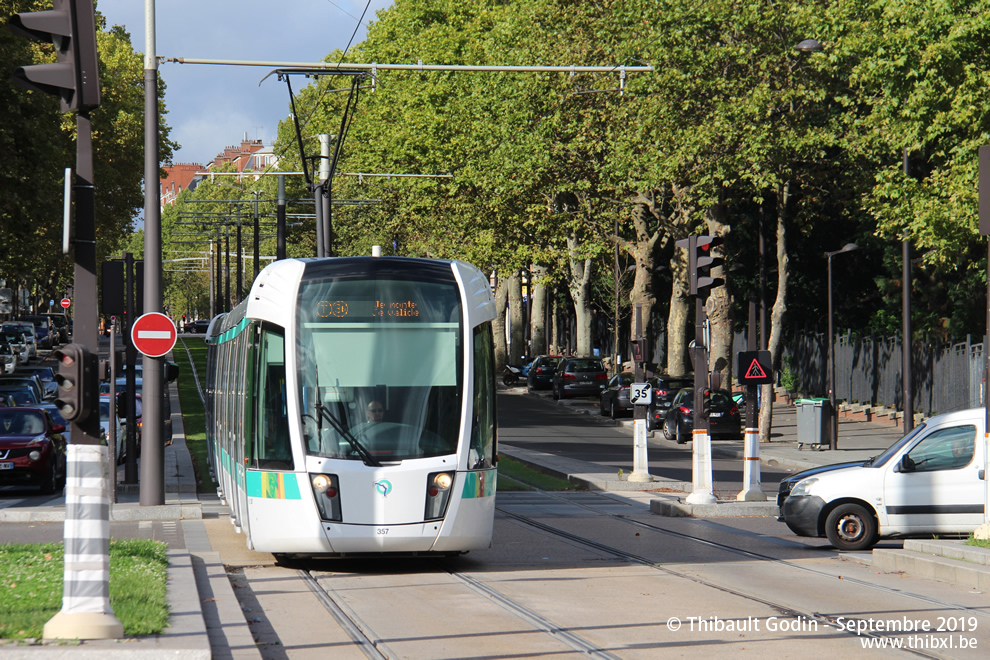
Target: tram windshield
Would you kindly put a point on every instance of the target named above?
(380, 367)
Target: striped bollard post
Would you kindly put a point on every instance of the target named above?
(86, 611)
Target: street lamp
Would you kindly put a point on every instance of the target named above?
(834, 440)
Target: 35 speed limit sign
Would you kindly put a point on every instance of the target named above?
(640, 394)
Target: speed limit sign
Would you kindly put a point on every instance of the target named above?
(640, 394)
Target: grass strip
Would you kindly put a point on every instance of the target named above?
(193, 412)
(31, 585)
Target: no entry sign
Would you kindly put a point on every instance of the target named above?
(65, 303)
(153, 334)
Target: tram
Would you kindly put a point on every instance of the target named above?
(351, 407)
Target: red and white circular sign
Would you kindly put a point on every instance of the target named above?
(65, 303)
(153, 334)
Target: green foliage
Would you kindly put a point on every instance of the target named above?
(38, 143)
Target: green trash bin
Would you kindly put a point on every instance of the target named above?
(814, 422)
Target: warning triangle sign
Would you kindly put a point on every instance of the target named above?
(755, 371)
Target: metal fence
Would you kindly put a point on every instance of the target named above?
(944, 377)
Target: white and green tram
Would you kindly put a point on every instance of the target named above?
(351, 407)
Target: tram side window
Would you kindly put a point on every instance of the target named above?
(482, 455)
(274, 449)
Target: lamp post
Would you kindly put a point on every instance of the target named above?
(834, 431)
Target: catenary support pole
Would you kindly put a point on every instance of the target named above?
(152, 487)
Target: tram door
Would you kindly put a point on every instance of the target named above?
(242, 424)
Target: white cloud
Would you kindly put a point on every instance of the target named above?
(210, 107)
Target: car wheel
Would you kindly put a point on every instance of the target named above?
(612, 412)
(851, 527)
(667, 435)
(51, 480)
(601, 407)
(555, 395)
(680, 435)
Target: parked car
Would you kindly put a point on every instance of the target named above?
(723, 422)
(23, 395)
(120, 386)
(44, 332)
(45, 374)
(8, 358)
(579, 377)
(60, 326)
(197, 327)
(28, 332)
(105, 425)
(18, 343)
(32, 449)
(928, 482)
(540, 376)
(665, 388)
(614, 399)
(29, 380)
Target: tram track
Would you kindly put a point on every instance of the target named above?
(785, 610)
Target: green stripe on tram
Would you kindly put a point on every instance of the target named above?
(230, 334)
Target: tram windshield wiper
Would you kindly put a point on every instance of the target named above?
(347, 435)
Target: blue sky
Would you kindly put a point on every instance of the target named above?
(211, 107)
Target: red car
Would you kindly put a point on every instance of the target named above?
(32, 449)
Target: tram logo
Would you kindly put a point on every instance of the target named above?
(384, 487)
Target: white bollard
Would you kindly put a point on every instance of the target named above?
(641, 466)
(701, 469)
(752, 490)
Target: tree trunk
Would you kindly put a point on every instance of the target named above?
(579, 284)
(778, 310)
(555, 326)
(642, 251)
(537, 319)
(498, 325)
(680, 317)
(718, 305)
(517, 328)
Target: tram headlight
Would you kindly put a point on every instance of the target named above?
(438, 494)
(326, 495)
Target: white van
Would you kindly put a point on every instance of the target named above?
(931, 481)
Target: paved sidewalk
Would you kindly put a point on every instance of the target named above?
(858, 440)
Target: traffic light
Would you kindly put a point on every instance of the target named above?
(73, 396)
(75, 76)
(706, 403)
(702, 260)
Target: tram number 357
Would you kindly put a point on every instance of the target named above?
(381, 531)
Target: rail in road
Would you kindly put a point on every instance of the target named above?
(595, 575)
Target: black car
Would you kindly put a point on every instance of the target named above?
(665, 388)
(579, 377)
(198, 327)
(540, 375)
(614, 399)
(724, 420)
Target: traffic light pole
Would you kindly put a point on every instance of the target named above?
(701, 450)
(86, 612)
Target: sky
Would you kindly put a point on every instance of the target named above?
(210, 106)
